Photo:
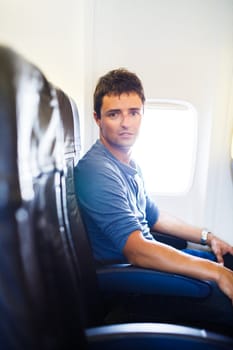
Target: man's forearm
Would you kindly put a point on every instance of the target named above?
(159, 256)
(174, 226)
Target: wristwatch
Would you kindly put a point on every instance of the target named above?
(204, 236)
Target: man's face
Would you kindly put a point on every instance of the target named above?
(120, 121)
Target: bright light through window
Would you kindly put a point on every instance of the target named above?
(166, 147)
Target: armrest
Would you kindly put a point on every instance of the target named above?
(125, 278)
(155, 336)
(175, 242)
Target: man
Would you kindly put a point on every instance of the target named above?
(117, 211)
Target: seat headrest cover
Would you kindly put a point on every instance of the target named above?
(34, 113)
(67, 122)
(77, 130)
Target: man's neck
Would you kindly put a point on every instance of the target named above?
(123, 154)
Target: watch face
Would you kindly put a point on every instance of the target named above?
(204, 235)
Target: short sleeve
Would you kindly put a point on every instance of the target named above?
(152, 212)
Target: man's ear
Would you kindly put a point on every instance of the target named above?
(97, 119)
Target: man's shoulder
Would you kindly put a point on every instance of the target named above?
(96, 173)
(97, 160)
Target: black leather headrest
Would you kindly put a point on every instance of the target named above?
(67, 123)
(77, 136)
(31, 135)
(71, 126)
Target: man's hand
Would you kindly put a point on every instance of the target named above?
(219, 247)
(225, 281)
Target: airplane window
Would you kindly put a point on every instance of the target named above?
(166, 147)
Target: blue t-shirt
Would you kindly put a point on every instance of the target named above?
(113, 202)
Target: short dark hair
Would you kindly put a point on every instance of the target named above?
(117, 82)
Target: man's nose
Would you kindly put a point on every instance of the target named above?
(125, 119)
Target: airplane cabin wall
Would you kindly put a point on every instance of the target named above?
(49, 34)
(181, 50)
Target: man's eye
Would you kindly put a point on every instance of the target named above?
(134, 113)
(113, 115)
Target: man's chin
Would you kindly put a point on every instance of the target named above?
(127, 148)
(126, 143)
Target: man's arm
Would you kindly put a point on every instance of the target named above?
(169, 224)
(155, 255)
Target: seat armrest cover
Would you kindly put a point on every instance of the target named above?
(155, 336)
(171, 240)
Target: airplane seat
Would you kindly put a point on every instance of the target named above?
(127, 336)
(17, 322)
(113, 279)
(39, 301)
(78, 244)
(132, 294)
(63, 311)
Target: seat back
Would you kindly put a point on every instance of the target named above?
(75, 232)
(39, 293)
(17, 323)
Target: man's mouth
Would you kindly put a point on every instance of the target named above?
(126, 133)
